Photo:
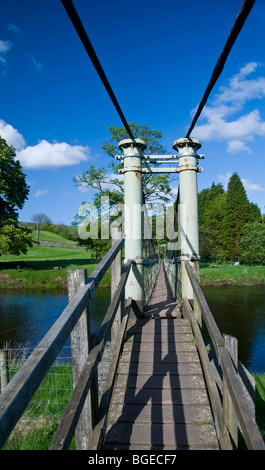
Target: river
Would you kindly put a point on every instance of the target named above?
(26, 316)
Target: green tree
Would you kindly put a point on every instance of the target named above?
(106, 182)
(14, 191)
(41, 219)
(253, 243)
(211, 206)
(211, 246)
(239, 212)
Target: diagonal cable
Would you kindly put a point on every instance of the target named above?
(73, 15)
(238, 24)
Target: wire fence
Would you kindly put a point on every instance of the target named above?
(51, 398)
(54, 391)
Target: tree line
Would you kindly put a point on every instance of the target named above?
(231, 227)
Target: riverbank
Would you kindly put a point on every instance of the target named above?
(45, 267)
(230, 275)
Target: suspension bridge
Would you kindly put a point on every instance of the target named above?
(164, 389)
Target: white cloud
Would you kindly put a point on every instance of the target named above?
(252, 187)
(41, 192)
(47, 155)
(242, 89)
(44, 154)
(248, 185)
(230, 100)
(224, 179)
(5, 46)
(11, 135)
(236, 146)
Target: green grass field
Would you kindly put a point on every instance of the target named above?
(37, 269)
(227, 274)
(44, 266)
(53, 237)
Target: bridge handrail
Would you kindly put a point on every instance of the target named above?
(250, 430)
(18, 393)
(69, 420)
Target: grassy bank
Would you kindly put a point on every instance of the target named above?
(227, 274)
(45, 267)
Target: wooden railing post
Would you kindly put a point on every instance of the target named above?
(230, 417)
(116, 268)
(80, 346)
(4, 368)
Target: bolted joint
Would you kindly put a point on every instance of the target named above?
(132, 148)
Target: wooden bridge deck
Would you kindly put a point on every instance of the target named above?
(160, 399)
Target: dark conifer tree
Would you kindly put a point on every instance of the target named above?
(239, 212)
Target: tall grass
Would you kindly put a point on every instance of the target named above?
(36, 428)
(260, 402)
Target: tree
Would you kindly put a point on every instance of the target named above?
(14, 191)
(41, 219)
(211, 246)
(211, 206)
(253, 243)
(105, 181)
(239, 212)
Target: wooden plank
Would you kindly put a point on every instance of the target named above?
(99, 429)
(157, 387)
(171, 435)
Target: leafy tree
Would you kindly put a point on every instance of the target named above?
(14, 191)
(154, 185)
(253, 243)
(106, 182)
(239, 212)
(41, 219)
(211, 206)
(211, 246)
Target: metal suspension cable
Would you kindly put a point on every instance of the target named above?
(238, 24)
(73, 15)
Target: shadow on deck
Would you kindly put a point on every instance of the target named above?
(160, 399)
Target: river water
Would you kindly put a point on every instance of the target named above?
(26, 316)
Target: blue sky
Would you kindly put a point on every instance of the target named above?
(158, 57)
